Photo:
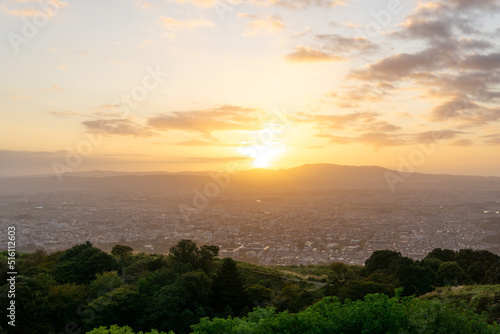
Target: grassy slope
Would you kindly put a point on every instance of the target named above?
(480, 298)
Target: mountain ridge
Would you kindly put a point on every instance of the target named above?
(305, 177)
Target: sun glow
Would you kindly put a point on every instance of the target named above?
(264, 154)
(265, 147)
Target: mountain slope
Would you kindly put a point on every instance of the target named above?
(307, 177)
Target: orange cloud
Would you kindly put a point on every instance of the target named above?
(309, 55)
(257, 26)
(27, 10)
(206, 121)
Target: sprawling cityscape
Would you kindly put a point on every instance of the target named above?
(274, 228)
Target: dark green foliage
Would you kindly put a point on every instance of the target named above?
(122, 251)
(445, 255)
(377, 314)
(84, 288)
(450, 273)
(173, 304)
(32, 298)
(197, 288)
(118, 306)
(259, 294)
(228, 287)
(206, 255)
(381, 260)
(153, 282)
(356, 290)
(340, 273)
(493, 274)
(187, 256)
(185, 252)
(415, 279)
(81, 263)
(142, 264)
(123, 254)
(35, 263)
(432, 263)
(104, 283)
(46, 304)
(475, 263)
(287, 298)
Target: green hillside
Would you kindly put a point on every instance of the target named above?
(479, 298)
(84, 289)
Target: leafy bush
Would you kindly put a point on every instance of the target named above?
(376, 314)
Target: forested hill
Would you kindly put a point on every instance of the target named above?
(191, 290)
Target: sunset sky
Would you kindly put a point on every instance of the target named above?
(176, 85)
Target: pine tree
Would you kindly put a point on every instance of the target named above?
(228, 287)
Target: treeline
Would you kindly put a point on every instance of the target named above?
(84, 288)
(377, 314)
(387, 270)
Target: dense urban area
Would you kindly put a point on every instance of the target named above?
(273, 229)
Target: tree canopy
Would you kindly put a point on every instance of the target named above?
(84, 289)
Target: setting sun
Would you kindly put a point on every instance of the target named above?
(263, 154)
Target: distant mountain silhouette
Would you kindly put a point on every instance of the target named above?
(306, 177)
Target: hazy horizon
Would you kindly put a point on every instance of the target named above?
(159, 172)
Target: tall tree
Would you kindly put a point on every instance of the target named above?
(206, 255)
(450, 273)
(381, 260)
(122, 251)
(81, 263)
(228, 287)
(445, 255)
(493, 274)
(187, 253)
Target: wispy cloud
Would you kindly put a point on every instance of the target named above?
(117, 127)
(328, 47)
(455, 63)
(307, 54)
(368, 128)
(29, 8)
(206, 121)
(258, 25)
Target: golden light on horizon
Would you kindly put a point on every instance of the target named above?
(264, 154)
